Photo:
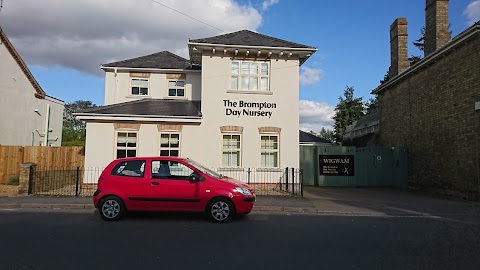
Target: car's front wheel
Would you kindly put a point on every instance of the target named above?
(111, 208)
(220, 210)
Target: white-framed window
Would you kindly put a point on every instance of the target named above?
(269, 151)
(139, 87)
(250, 76)
(127, 142)
(169, 144)
(176, 88)
(232, 149)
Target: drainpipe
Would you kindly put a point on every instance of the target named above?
(47, 120)
(477, 110)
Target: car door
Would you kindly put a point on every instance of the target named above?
(172, 187)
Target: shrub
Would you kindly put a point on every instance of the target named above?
(14, 180)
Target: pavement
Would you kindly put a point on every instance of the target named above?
(317, 200)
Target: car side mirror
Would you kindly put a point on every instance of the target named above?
(195, 177)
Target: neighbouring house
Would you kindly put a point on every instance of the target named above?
(308, 139)
(233, 104)
(429, 108)
(364, 131)
(28, 116)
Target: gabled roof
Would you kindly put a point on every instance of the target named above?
(3, 37)
(160, 60)
(249, 38)
(148, 107)
(310, 138)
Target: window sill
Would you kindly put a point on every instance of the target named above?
(175, 97)
(137, 96)
(250, 92)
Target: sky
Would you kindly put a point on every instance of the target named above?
(64, 42)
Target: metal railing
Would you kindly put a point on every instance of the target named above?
(83, 181)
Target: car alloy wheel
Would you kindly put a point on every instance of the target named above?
(111, 208)
(221, 210)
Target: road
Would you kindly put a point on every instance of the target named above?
(49, 239)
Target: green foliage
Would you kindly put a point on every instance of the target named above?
(73, 133)
(327, 134)
(14, 180)
(386, 77)
(324, 133)
(420, 43)
(348, 110)
(371, 105)
(414, 59)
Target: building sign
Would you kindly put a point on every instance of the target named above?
(341, 165)
(243, 108)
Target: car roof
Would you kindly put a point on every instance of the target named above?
(152, 157)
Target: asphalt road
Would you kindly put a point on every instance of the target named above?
(48, 239)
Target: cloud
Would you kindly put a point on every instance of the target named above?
(268, 3)
(82, 35)
(310, 75)
(315, 115)
(472, 12)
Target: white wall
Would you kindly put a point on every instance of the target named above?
(20, 124)
(118, 88)
(204, 142)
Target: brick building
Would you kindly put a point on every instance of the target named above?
(432, 109)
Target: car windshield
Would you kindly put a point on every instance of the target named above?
(203, 169)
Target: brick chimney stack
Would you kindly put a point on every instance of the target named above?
(398, 47)
(436, 25)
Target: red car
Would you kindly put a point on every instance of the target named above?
(169, 184)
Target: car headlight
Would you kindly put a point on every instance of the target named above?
(244, 191)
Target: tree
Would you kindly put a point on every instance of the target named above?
(386, 77)
(371, 105)
(326, 134)
(348, 110)
(73, 132)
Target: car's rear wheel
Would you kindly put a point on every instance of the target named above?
(220, 210)
(111, 208)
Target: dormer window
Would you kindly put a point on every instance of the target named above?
(139, 87)
(250, 76)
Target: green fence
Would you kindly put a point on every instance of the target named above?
(337, 166)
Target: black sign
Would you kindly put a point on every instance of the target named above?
(341, 165)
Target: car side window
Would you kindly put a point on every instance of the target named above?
(170, 170)
(132, 168)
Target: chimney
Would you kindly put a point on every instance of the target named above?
(398, 47)
(436, 25)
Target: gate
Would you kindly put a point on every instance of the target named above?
(337, 166)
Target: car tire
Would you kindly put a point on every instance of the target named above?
(111, 208)
(220, 210)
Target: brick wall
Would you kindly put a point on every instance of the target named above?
(431, 113)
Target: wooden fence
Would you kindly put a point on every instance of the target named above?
(45, 157)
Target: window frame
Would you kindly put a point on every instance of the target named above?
(139, 79)
(177, 88)
(169, 148)
(268, 151)
(126, 148)
(258, 76)
(239, 150)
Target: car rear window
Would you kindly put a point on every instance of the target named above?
(132, 168)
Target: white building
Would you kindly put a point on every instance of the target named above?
(28, 116)
(234, 104)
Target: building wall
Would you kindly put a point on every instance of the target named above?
(431, 113)
(118, 88)
(203, 142)
(20, 123)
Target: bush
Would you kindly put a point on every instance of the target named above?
(14, 180)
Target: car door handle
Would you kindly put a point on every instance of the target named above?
(154, 183)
